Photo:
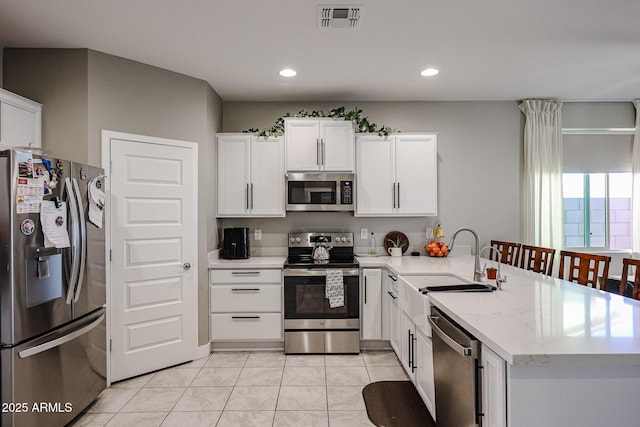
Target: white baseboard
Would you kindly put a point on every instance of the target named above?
(202, 351)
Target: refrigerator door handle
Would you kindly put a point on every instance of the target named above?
(75, 240)
(62, 340)
(83, 239)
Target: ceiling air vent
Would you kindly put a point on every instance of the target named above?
(339, 16)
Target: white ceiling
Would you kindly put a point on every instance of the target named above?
(485, 49)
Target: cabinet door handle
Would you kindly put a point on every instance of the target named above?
(413, 352)
(393, 190)
(318, 151)
(252, 195)
(479, 381)
(409, 345)
(245, 273)
(392, 278)
(323, 151)
(245, 289)
(392, 295)
(245, 317)
(365, 289)
(398, 195)
(246, 201)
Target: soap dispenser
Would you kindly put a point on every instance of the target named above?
(372, 244)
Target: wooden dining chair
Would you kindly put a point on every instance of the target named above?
(537, 258)
(626, 263)
(583, 268)
(508, 252)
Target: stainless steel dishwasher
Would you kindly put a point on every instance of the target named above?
(456, 359)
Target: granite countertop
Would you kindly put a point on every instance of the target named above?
(534, 319)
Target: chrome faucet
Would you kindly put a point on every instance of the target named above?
(478, 274)
(500, 279)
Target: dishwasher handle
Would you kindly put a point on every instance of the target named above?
(459, 348)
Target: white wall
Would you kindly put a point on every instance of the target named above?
(479, 167)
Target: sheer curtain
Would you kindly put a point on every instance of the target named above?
(542, 219)
(635, 194)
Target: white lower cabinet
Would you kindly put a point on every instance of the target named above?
(408, 346)
(245, 305)
(394, 320)
(410, 338)
(494, 391)
(424, 380)
(371, 304)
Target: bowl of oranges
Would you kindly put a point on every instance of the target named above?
(437, 249)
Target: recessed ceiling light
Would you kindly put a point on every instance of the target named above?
(429, 72)
(288, 72)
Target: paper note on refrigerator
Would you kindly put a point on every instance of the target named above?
(54, 224)
(29, 192)
(96, 201)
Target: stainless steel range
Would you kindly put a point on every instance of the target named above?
(318, 265)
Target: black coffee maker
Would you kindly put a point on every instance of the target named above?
(235, 244)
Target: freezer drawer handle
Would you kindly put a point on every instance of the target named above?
(465, 351)
(59, 341)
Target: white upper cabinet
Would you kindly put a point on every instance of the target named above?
(20, 121)
(396, 175)
(250, 176)
(319, 145)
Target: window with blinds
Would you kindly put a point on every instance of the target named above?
(597, 189)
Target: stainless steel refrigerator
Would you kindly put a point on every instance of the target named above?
(52, 297)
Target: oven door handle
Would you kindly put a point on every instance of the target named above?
(301, 272)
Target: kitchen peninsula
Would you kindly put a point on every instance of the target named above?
(571, 353)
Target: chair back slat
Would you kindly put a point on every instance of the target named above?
(584, 268)
(508, 252)
(626, 278)
(536, 258)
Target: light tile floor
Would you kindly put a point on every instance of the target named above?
(246, 389)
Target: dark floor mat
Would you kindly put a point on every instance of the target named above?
(396, 404)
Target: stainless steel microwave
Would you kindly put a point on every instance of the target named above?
(318, 191)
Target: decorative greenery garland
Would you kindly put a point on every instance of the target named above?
(362, 123)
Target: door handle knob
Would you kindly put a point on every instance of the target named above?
(186, 266)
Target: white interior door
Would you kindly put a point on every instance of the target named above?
(153, 227)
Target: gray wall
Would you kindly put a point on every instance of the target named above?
(479, 168)
(56, 78)
(598, 115)
(84, 91)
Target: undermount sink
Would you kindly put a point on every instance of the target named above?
(463, 287)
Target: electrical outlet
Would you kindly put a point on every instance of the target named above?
(364, 233)
(257, 234)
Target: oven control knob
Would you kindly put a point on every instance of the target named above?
(348, 239)
(344, 239)
(298, 240)
(291, 240)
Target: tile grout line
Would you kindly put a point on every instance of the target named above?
(185, 390)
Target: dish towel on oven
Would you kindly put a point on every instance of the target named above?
(334, 288)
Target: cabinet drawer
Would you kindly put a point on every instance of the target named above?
(245, 276)
(245, 298)
(253, 327)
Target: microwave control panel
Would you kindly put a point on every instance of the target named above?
(346, 197)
